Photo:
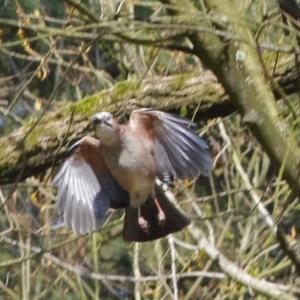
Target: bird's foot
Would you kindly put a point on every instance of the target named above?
(161, 217)
(143, 223)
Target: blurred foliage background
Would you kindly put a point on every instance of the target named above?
(56, 52)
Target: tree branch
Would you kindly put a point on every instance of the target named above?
(240, 68)
(49, 141)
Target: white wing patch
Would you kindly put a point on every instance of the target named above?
(78, 189)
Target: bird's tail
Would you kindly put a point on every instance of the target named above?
(175, 220)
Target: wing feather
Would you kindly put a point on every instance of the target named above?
(82, 197)
(179, 151)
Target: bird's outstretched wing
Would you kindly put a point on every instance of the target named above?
(86, 188)
(178, 150)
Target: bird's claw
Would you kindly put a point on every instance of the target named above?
(161, 217)
(143, 223)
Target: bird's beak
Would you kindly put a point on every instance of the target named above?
(95, 120)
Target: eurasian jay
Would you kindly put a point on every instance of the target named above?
(118, 170)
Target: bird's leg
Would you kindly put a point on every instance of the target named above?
(161, 215)
(142, 221)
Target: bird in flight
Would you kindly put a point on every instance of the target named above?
(118, 169)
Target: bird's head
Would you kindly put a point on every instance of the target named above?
(106, 127)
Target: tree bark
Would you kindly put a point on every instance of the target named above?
(239, 66)
(22, 156)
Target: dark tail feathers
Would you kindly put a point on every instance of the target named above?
(175, 220)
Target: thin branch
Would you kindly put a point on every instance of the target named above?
(273, 290)
(137, 272)
(173, 267)
(120, 278)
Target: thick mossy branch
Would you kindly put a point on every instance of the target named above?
(50, 139)
(240, 68)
